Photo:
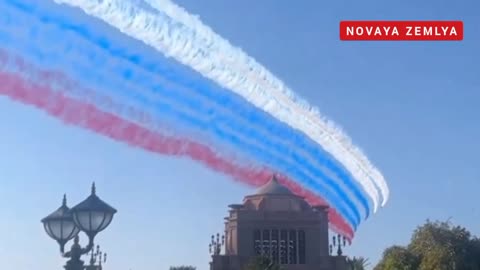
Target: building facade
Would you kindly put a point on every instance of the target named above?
(277, 224)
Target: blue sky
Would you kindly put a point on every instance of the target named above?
(412, 107)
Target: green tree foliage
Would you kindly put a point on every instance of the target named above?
(262, 263)
(398, 258)
(357, 263)
(435, 246)
(183, 267)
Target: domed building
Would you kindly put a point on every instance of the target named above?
(280, 225)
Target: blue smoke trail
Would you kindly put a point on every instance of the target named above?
(204, 125)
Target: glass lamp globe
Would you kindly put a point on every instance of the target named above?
(92, 215)
(60, 225)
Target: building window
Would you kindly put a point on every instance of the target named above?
(301, 247)
(257, 243)
(292, 247)
(266, 243)
(281, 246)
(275, 246)
(230, 241)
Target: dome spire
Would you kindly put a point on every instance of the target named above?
(94, 189)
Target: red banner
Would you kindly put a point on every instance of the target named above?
(401, 30)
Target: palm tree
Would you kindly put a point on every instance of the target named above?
(358, 263)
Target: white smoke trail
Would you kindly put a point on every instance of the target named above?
(180, 15)
(209, 54)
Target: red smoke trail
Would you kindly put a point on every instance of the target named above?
(74, 112)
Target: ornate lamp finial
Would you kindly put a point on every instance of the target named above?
(64, 201)
(94, 189)
(215, 246)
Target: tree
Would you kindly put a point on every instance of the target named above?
(183, 267)
(398, 258)
(435, 246)
(357, 263)
(262, 263)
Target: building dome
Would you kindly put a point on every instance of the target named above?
(273, 187)
(274, 196)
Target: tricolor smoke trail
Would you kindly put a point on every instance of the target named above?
(55, 56)
(188, 41)
(114, 85)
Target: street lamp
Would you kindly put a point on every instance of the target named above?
(60, 226)
(341, 243)
(90, 216)
(215, 246)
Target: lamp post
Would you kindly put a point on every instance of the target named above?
(215, 246)
(342, 241)
(91, 216)
(97, 259)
